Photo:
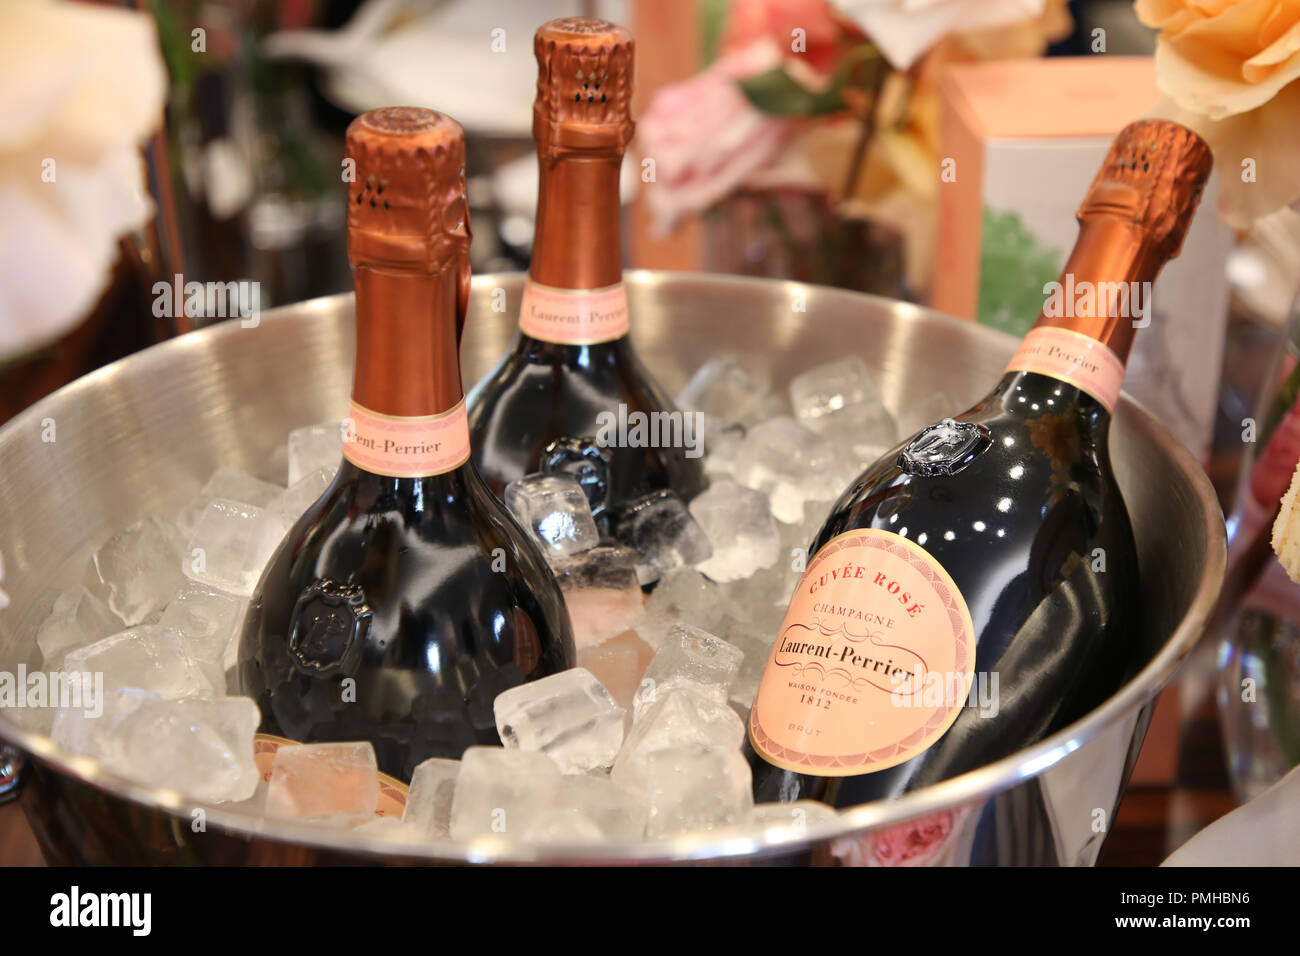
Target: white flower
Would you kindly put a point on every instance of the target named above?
(86, 85)
(904, 30)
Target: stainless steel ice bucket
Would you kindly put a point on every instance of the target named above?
(140, 436)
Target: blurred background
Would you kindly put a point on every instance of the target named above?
(792, 139)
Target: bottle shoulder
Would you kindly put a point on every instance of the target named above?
(587, 375)
(1039, 474)
(405, 518)
(601, 395)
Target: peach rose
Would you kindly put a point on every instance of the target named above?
(1225, 57)
(1230, 68)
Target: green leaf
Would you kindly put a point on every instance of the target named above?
(778, 93)
(713, 23)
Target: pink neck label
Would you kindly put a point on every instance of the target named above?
(1074, 358)
(406, 447)
(573, 316)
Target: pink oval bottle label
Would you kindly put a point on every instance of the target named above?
(1075, 358)
(402, 447)
(874, 661)
(573, 316)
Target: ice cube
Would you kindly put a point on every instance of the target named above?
(233, 486)
(840, 401)
(695, 787)
(202, 747)
(797, 541)
(693, 659)
(791, 465)
(501, 791)
(428, 804)
(756, 645)
(722, 441)
(789, 818)
(589, 809)
(647, 573)
(209, 622)
(275, 466)
(77, 619)
(585, 462)
(151, 658)
(606, 566)
(602, 592)
(682, 595)
(766, 594)
(140, 567)
(763, 595)
(721, 388)
(390, 828)
(314, 447)
(597, 614)
(618, 664)
(91, 727)
(230, 546)
(568, 716)
(256, 804)
(563, 825)
(297, 498)
(741, 710)
(314, 780)
(676, 718)
(659, 527)
(740, 529)
(554, 508)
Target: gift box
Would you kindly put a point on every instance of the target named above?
(1021, 141)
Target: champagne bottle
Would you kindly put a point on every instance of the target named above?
(573, 372)
(977, 588)
(405, 599)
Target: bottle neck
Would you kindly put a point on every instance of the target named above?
(407, 359)
(408, 417)
(1085, 331)
(577, 244)
(1104, 291)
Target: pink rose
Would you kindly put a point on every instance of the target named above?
(918, 842)
(1272, 471)
(705, 137)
